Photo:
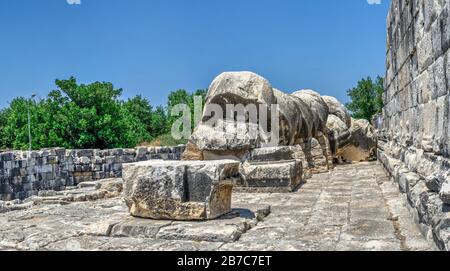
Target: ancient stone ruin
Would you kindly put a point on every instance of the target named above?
(219, 157)
(24, 174)
(414, 142)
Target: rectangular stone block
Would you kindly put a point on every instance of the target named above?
(281, 176)
(419, 22)
(447, 70)
(436, 38)
(98, 175)
(179, 190)
(272, 154)
(417, 118)
(141, 151)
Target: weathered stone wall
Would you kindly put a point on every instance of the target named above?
(24, 173)
(414, 141)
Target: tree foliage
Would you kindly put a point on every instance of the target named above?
(366, 98)
(85, 116)
(141, 109)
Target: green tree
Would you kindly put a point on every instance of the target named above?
(366, 98)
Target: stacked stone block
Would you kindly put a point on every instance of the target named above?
(273, 170)
(417, 84)
(414, 142)
(24, 173)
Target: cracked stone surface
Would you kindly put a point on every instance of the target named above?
(354, 207)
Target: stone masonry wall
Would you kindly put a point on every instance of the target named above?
(414, 140)
(24, 173)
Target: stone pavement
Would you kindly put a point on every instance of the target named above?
(355, 207)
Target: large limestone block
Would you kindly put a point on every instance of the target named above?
(238, 155)
(282, 176)
(435, 181)
(228, 134)
(318, 154)
(179, 190)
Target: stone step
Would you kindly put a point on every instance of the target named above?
(274, 176)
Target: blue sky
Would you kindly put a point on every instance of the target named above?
(152, 47)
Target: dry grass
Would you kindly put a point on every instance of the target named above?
(163, 140)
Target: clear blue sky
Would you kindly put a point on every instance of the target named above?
(152, 47)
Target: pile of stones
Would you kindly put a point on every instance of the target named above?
(180, 190)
